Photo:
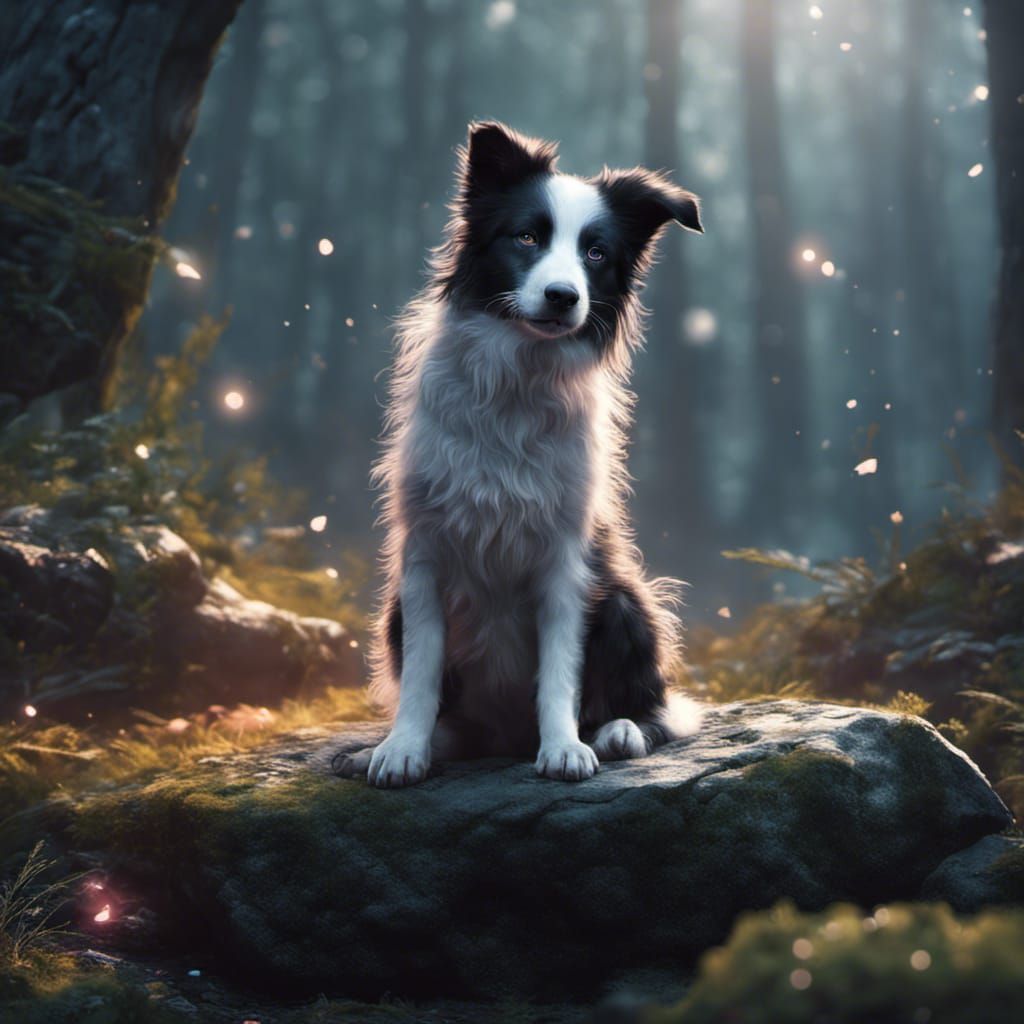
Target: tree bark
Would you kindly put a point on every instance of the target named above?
(779, 356)
(101, 101)
(1004, 24)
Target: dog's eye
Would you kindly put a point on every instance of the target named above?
(526, 238)
(595, 254)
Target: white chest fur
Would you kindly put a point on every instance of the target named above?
(499, 474)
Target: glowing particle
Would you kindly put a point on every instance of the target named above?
(700, 326)
(195, 973)
(331, 573)
(975, 171)
(234, 400)
(851, 403)
(888, 406)
(142, 451)
(803, 949)
(724, 612)
(103, 916)
(896, 333)
(353, 644)
(499, 14)
(177, 725)
(896, 517)
(816, 12)
(287, 323)
(31, 711)
(967, 12)
(325, 246)
(800, 979)
(882, 916)
(183, 269)
(920, 959)
(828, 268)
(846, 47)
(318, 524)
(244, 232)
(866, 468)
(349, 322)
(808, 255)
(981, 92)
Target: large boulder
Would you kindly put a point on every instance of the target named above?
(487, 881)
(81, 628)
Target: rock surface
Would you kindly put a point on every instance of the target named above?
(488, 881)
(989, 873)
(182, 641)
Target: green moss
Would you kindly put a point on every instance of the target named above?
(905, 963)
(89, 289)
(51, 988)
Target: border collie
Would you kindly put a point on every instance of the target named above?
(516, 614)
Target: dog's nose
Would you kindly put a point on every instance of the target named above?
(561, 296)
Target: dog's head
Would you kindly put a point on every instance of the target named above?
(557, 254)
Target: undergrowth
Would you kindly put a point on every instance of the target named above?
(37, 760)
(937, 632)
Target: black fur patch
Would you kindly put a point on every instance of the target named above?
(621, 675)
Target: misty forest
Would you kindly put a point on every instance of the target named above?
(212, 213)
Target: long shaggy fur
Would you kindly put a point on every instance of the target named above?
(504, 464)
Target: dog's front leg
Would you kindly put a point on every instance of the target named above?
(404, 757)
(560, 641)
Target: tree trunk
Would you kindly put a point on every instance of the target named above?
(779, 357)
(1004, 24)
(669, 375)
(101, 100)
(233, 137)
(929, 315)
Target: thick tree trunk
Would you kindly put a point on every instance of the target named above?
(1004, 23)
(779, 357)
(100, 99)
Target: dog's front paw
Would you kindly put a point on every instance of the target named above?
(399, 761)
(570, 761)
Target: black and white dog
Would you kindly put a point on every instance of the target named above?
(516, 612)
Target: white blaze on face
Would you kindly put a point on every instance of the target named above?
(573, 204)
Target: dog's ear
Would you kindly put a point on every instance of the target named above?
(644, 201)
(496, 157)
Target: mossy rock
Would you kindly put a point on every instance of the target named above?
(989, 873)
(487, 881)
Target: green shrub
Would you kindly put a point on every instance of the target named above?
(917, 963)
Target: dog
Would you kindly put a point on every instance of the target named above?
(516, 617)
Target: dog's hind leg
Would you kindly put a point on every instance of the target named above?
(627, 707)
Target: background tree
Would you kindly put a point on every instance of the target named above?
(1004, 24)
(672, 373)
(778, 329)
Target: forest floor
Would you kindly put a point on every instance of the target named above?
(937, 631)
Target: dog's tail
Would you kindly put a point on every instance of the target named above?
(681, 715)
